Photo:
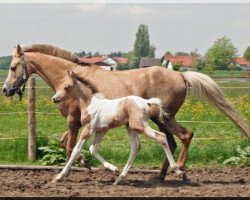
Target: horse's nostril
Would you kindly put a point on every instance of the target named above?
(4, 90)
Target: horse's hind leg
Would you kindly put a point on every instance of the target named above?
(94, 151)
(63, 140)
(162, 139)
(135, 147)
(172, 145)
(184, 135)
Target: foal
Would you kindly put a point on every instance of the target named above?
(103, 114)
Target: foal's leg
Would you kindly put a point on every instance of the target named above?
(161, 138)
(76, 152)
(135, 147)
(94, 151)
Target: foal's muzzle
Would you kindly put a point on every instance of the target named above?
(55, 100)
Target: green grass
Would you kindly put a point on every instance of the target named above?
(227, 74)
(115, 146)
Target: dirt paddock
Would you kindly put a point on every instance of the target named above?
(226, 182)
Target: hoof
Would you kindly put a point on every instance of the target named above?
(183, 176)
(86, 164)
(54, 180)
(111, 167)
(118, 180)
(114, 169)
(115, 183)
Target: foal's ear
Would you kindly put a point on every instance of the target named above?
(73, 75)
(18, 50)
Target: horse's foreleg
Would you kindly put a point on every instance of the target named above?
(162, 139)
(73, 125)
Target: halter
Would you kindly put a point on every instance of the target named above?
(21, 81)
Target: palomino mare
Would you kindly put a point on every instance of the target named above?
(52, 64)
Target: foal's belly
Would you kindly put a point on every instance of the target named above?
(108, 116)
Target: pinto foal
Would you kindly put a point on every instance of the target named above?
(103, 114)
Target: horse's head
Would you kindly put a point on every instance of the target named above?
(65, 90)
(17, 75)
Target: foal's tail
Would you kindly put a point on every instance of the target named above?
(204, 86)
(161, 114)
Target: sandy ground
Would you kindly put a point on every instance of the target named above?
(229, 182)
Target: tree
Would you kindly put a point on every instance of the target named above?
(180, 53)
(141, 46)
(81, 54)
(96, 54)
(168, 53)
(89, 54)
(177, 66)
(151, 53)
(116, 54)
(247, 54)
(199, 60)
(5, 62)
(221, 54)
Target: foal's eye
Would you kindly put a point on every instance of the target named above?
(66, 88)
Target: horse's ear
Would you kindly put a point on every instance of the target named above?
(18, 50)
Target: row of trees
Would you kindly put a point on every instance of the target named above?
(220, 56)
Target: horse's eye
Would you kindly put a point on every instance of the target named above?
(13, 68)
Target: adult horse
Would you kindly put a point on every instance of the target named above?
(52, 64)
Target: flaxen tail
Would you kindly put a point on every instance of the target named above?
(205, 87)
(162, 114)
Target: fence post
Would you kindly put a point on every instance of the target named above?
(31, 120)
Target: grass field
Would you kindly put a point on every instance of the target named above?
(115, 147)
(225, 74)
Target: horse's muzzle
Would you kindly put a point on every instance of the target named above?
(8, 92)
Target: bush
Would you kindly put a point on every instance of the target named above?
(54, 154)
(242, 159)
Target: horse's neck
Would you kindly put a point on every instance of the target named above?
(52, 69)
(84, 95)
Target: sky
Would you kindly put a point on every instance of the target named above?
(109, 27)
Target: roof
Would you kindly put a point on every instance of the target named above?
(148, 62)
(187, 61)
(121, 60)
(242, 61)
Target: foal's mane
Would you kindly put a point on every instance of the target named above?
(53, 51)
(87, 83)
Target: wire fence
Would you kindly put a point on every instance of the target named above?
(181, 121)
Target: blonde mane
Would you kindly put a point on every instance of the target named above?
(53, 51)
